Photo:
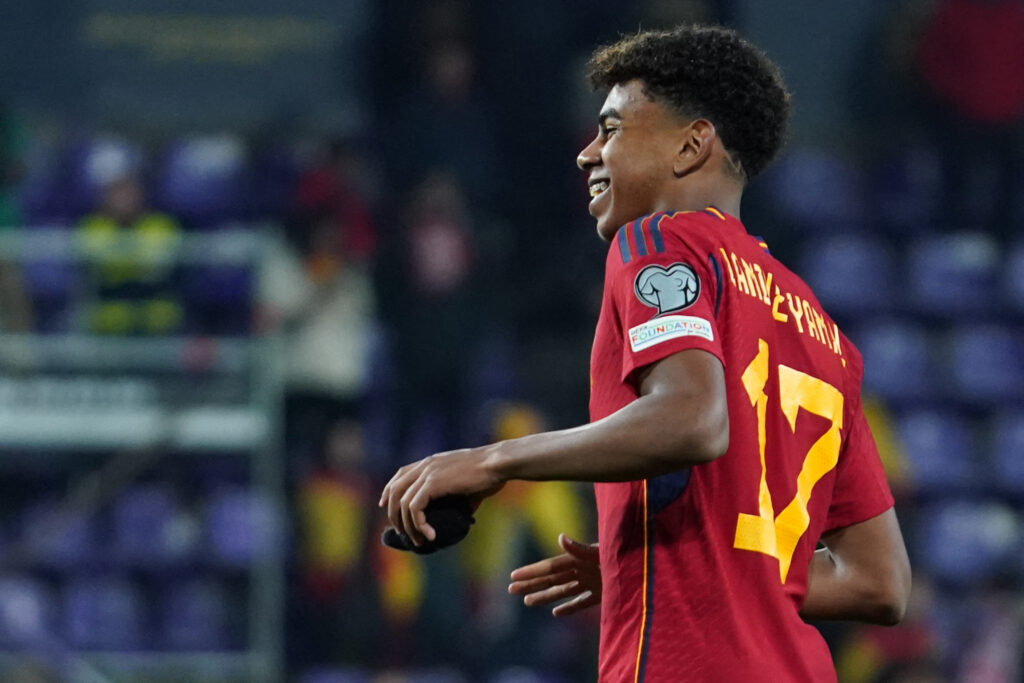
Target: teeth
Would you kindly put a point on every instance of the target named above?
(598, 187)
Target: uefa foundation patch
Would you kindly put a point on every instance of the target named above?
(654, 332)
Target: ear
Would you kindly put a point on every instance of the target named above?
(695, 146)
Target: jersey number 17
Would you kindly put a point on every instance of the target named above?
(766, 532)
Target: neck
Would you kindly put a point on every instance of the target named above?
(711, 182)
(725, 196)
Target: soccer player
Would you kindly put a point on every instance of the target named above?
(739, 490)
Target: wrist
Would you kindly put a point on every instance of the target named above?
(499, 461)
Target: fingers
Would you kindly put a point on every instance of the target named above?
(409, 519)
(540, 583)
(551, 565)
(398, 495)
(576, 574)
(553, 594)
(417, 511)
(581, 602)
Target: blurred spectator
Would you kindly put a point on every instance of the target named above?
(333, 192)
(432, 301)
(132, 263)
(317, 290)
(354, 594)
(969, 60)
(324, 305)
(336, 611)
(335, 503)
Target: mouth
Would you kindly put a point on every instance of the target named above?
(597, 187)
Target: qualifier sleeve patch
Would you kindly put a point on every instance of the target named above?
(667, 289)
(654, 332)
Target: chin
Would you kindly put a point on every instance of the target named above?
(605, 229)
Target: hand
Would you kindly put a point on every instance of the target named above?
(405, 497)
(576, 574)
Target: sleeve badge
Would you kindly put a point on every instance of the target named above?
(671, 288)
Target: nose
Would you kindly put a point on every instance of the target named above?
(590, 156)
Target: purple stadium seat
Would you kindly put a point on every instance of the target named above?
(1008, 454)
(941, 452)
(27, 611)
(817, 190)
(851, 274)
(58, 539)
(202, 180)
(905, 188)
(151, 528)
(219, 298)
(51, 286)
(967, 543)
(898, 360)
(41, 193)
(275, 171)
(195, 616)
(986, 362)
(1013, 276)
(242, 527)
(104, 613)
(954, 274)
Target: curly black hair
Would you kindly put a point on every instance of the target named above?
(706, 72)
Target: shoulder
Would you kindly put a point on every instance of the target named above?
(655, 234)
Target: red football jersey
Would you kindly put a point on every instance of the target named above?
(705, 569)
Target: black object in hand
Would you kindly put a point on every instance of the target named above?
(451, 517)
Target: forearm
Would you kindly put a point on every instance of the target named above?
(652, 435)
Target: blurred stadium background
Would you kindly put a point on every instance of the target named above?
(255, 255)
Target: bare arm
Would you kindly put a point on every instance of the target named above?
(680, 419)
(862, 574)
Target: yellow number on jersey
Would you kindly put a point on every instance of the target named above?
(766, 532)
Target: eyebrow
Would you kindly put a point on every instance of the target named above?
(609, 113)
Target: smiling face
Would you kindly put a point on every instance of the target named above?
(630, 162)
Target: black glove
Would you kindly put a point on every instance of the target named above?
(451, 517)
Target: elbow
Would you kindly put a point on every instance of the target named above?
(890, 598)
(889, 613)
(711, 446)
(702, 440)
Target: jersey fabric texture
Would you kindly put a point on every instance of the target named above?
(705, 569)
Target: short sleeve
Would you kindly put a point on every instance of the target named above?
(664, 294)
(861, 490)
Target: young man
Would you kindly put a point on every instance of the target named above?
(727, 437)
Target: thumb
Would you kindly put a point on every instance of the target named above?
(577, 549)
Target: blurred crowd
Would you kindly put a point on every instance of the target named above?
(434, 279)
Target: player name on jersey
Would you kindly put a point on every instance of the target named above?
(754, 281)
